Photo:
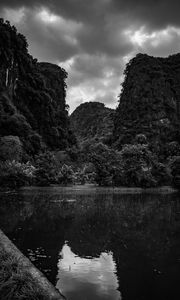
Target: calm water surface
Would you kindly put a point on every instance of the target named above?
(98, 244)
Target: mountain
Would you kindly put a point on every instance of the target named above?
(149, 103)
(92, 120)
(32, 96)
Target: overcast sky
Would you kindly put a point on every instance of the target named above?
(94, 39)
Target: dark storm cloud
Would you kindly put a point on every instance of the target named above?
(49, 41)
(92, 67)
(94, 39)
(155, 12)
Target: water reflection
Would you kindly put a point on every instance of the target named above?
(138, 234)
(87, 278)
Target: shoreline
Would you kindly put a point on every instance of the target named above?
(19, 275)
(92, 188)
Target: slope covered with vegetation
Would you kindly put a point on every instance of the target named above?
(136, 145)
(92, 120)
(150, 102)
(32, 97)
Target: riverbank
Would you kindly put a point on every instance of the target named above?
(93, 188)
(86, 188)
(19, 279)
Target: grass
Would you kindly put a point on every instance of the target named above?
(15, 282)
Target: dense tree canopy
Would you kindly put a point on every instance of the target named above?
(150, 101)
(32, 96)
(92, 120)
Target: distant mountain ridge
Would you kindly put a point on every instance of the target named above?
(92, 120)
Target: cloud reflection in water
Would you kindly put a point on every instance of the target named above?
(87, 278)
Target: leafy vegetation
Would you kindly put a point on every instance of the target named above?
(32, 97)
(92, 120)
(14, 174)
(175, 170)
(136, 145)
(149, 102)
(10, 148)
(15, 282)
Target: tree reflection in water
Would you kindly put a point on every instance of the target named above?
(128, 242)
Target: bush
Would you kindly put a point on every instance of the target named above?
(175, 171)
(10, 148)
(161, 173)
(14, 174)
(46, 169)
(86, 174)
(66, 175)
(107, 163)
(141, 139)
(15, 281)
(137, 163)
(173, 149)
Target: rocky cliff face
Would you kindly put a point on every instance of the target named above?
(92, 120)
(150, 101)
(32, 96)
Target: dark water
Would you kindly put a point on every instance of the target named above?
(98, 244)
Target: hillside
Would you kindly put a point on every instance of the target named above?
(32, 96)
(150, 101)
(92, 120)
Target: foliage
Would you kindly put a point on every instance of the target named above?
(14, 174)
(46, 170)
(175, 170)
(66, 175)
(32, 96)
(92, 120)
(149, 102)
(141, 139)
(10, 148)
(134, 165)
(173, 149)
(107, 164)
(137, 163)
(15, 282)
(161, 172)
(87, 174)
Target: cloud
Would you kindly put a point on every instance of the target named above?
(93, 78)
(50, 36)
(156, 14)
(93, 40)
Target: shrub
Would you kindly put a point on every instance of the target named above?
(16, 282)
(173, 149)
(175, 170)
(14, 174)
(86, 174)
(141, 139)
(46, 169)
(10, 148)
(107, 163)
(161, 173)
(137, 163)
(66, 175)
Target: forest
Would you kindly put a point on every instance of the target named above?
(135, 145)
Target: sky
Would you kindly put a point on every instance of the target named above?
(94, 39)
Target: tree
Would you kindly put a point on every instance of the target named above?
(14, 174)
(175, 170)
(46, 171)
(10, 148)
(107, 162)
(137, 164)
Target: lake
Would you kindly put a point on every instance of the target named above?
(99, 243)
